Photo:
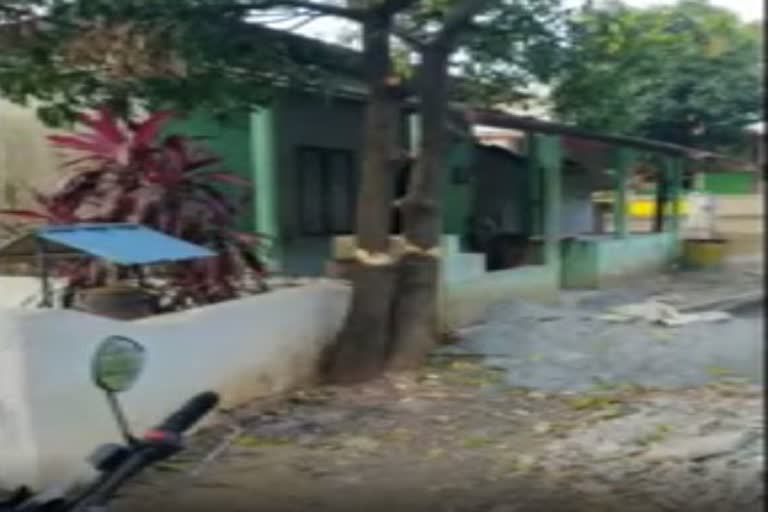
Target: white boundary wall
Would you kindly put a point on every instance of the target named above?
(51, 415)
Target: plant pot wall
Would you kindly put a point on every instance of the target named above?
(704, 253)
(118, 302)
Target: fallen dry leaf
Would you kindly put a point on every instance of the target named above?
(434, 453)
(364, 444)
(477, 442)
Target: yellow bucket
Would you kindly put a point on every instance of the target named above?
(704, 253)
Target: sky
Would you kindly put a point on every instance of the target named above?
(748, 10)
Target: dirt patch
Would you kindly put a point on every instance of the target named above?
(453, 439)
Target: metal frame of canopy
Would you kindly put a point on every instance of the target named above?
(120, 244)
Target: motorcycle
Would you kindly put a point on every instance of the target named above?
(115, 367)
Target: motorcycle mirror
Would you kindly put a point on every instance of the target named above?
(115, 368)
(117, 364)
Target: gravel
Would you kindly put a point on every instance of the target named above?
(568, 347)
(697, 448)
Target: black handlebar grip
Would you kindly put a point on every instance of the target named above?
(190, 413)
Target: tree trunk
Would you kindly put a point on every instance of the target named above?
(416, 303)
(363, 345)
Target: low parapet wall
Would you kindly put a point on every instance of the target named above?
(51, 416)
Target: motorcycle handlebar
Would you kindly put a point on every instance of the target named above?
(190, 413)
(100, 492)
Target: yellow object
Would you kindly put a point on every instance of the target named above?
(646, 208)
(641, 208)
(704, 253)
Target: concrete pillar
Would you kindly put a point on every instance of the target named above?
(622, 160)
(265, 178)
(414, 134)
(700, 182)
(546, 153)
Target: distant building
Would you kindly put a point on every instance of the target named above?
(757, 136)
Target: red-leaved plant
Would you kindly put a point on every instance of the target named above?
(125, 172)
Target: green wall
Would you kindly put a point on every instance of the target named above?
(598, 262)
(304, 119)
(580, 267)
(262, 147)
(229, 140)
(730, 183)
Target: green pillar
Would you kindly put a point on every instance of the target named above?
(662, 194)
(675, 175)
(622, 160)
(455, 187)
(546, 153)
(265, 178)
(532, 208)
(700, 182)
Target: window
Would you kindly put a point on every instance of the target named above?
(327, 186)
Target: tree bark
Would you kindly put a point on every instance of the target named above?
(362, 347)
(416, 304)
(390, 321)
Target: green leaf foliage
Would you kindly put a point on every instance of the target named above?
(69, 55)
(687, 73)
(514, 44)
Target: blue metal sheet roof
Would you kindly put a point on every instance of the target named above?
(125, 244)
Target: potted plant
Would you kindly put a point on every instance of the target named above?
(128, 172)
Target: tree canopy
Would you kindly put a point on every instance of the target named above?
(687, 73)
(71, 55)
(217, 54)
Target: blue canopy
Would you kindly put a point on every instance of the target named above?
(124, 244)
